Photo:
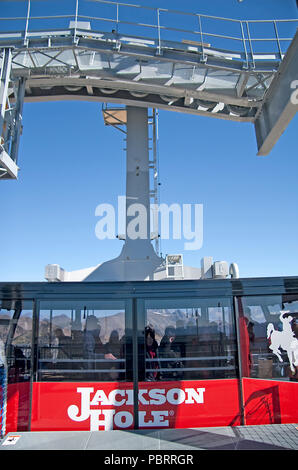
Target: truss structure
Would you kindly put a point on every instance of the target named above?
(177, 61)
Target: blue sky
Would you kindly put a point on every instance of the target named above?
(70, 162)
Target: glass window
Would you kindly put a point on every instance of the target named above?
(81, 341)
(268, 327)
(16, 339)
(189, 339)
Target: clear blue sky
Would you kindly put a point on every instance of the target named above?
(70, 162)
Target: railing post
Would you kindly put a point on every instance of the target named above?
(27, 23)
(278, 41)
(204, 58)
(244, 44)
(76, 22)
(158, 29)
(117, 18)
(250, 46)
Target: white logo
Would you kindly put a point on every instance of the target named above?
(284, 340)
(108, 417)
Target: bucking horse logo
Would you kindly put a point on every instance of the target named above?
(284, 340)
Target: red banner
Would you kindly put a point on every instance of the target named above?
(270, 401)
(105, 406)
(98, 406)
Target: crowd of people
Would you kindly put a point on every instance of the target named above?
(162, 361)
(183, 353)
(168, 359)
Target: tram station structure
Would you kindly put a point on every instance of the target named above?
(142, 342)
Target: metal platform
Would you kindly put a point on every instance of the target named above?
(267, 437)
(166, 59)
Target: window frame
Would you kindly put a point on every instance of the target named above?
(209, 301)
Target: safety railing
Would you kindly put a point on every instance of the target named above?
(252, 39)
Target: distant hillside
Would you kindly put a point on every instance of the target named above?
(108, 324)
(158, 319)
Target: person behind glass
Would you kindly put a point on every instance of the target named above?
(152, 367)
(63, 344)
(113, 350)
(93, 347)
(180, 340)
(168, 349)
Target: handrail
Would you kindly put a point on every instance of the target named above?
(161, 25)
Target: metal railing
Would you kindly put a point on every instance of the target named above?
(250, 38)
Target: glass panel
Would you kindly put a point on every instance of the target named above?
(269, 337)
(16, 338)
(82, 341)
(189, 339)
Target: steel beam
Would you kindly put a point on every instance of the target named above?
(4, 80)
(279, 107)
(8, 168)
(18, 116)
(11, 108)
(39, 93)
